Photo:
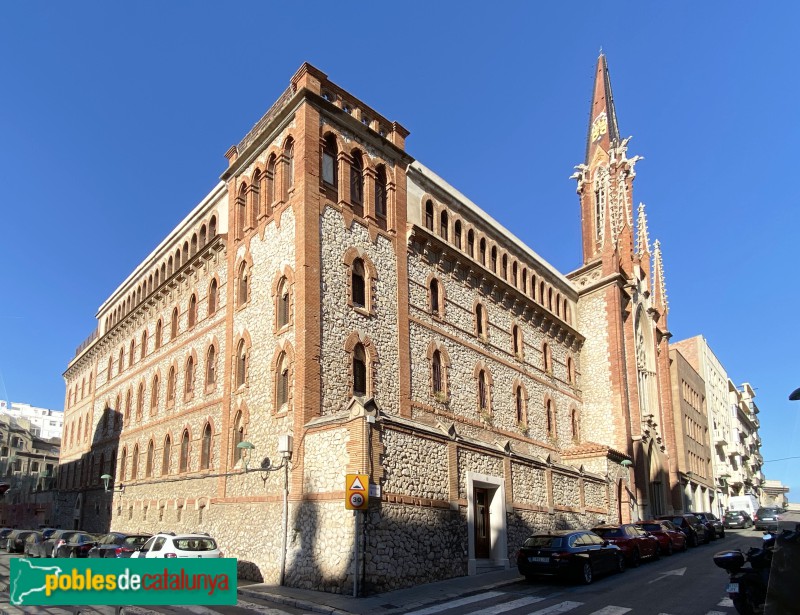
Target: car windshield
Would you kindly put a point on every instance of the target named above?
(135, 541)
(733, 513)
(553, 542)
(608, 532)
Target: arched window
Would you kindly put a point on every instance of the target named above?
(283, 303)
(517, 340)
(434, 297)
(381, 196)
(525, 280)
(143, 349)
(281, 383)
(255, 199)
(437, 379)
(238, 437)
(123, 466)
(360, 384)
(154, 395)
(192, 315)
(184, 459)
(457, 234)
(575, 421)
(140, 403)
(547, 358)
(483, 391)
(110, 363)
(330, 171)
(171, 385)
(174, 324)
(211, 366)
(213, 297)
(128, 406)
(443, 225)
(270, 196)
(519, 405)
(429, 215)
(288, 168)
(157, 340)
(471, 243)
(135, 463)
(357, 184)
(480, 320)
(550, 418)
(504, 271)
(205, 449)
(121, 362)
(358, 284)
(189, 377)
(165, 460)
(482, 250)
(241, 364)
(494, 259)
(570, 371)
(241, 211)
(148, 468)
(514, 274)
(242, 284)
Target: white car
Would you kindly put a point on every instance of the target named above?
(180, 545)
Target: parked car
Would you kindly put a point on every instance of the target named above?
(33, 543)
(15, 541)
(766, 518)
(635, 543)
(77, 545)
(118, 544)
(47, 531)
(690, 525)
(57, 538)
(181, 545)
(580, 554)
(4, 532)
(737, 519)
(711, 522)
(669, 537)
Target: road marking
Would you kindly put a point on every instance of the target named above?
(561, 607)
(725, 602)
(611, 610)
(508, 606)
(678, 572)
(717, 613)
(460, 602)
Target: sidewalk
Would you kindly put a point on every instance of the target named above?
(396, 601)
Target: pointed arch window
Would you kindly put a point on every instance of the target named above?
(514, 270)
(128, 406)
(575, 421)
(483, 391)
(211, 367)
(174, 324)
(283, 303)
(270, 191)
(238, 438)
(281, 383)
(110, 363)
(429, 215)
(183, 465)
(123, 466)
(241, 364)
(570, 371)
(148, 467)
(437, 376)
(471, 243)
(360, 385)
(435, 298)
(189, 377)
(171, 385)
(504, 265)
(482, 250)
(494, 259)
(131, 355)
(241, 211)
(135, 463)
(550, 418)
(143, 349)
(213, 297)
(519, 405)
(330, 153)
(255, 199)
(140, 402)
(242, 289)
(517, 341)
(157, 339)
(165, 455)
(288, 168)
(457, 234)
(192, 315)
(154, 395)
(358, 284)
(547, 359)
(481, 329)
(443, 225)
(205, 448)
(381, 195)
(121, 362)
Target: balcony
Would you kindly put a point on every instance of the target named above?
(719, 438)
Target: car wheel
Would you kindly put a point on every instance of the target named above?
(586, 575)
(620, 563)
(685, 545)
(670, 549)
(636, 558)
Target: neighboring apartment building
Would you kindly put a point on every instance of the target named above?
(45, 423)
(692, 449)
(698, 353)
(335, 290)
(745, 447)
(773, 493)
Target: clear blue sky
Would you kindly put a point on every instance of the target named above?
(114, 119)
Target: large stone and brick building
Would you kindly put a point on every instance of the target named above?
(333, 289)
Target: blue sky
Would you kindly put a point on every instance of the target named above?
(114, 119)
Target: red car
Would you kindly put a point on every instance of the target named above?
(634, 543)
(670, 538)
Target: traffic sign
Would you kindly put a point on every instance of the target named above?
(356, 492)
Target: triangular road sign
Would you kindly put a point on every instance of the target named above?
(356, 486)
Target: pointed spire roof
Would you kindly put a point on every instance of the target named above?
(642, 237)
(659, 286)
(603, 128)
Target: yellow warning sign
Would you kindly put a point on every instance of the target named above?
(356, 492)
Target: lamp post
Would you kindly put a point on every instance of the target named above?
(106, 478)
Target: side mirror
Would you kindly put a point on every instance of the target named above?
(606, 543)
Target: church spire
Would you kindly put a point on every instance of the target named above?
(659, 286)
(603, 129)
(642, 237)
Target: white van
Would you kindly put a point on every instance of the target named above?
(747, 503)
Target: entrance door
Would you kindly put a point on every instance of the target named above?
(483, 545)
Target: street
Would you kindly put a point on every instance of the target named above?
(683, 584)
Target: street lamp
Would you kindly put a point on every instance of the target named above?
(245, 448)
(795, 395)
(106, 478)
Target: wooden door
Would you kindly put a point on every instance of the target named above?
(483, 544)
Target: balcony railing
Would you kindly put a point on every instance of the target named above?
(719, 438)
